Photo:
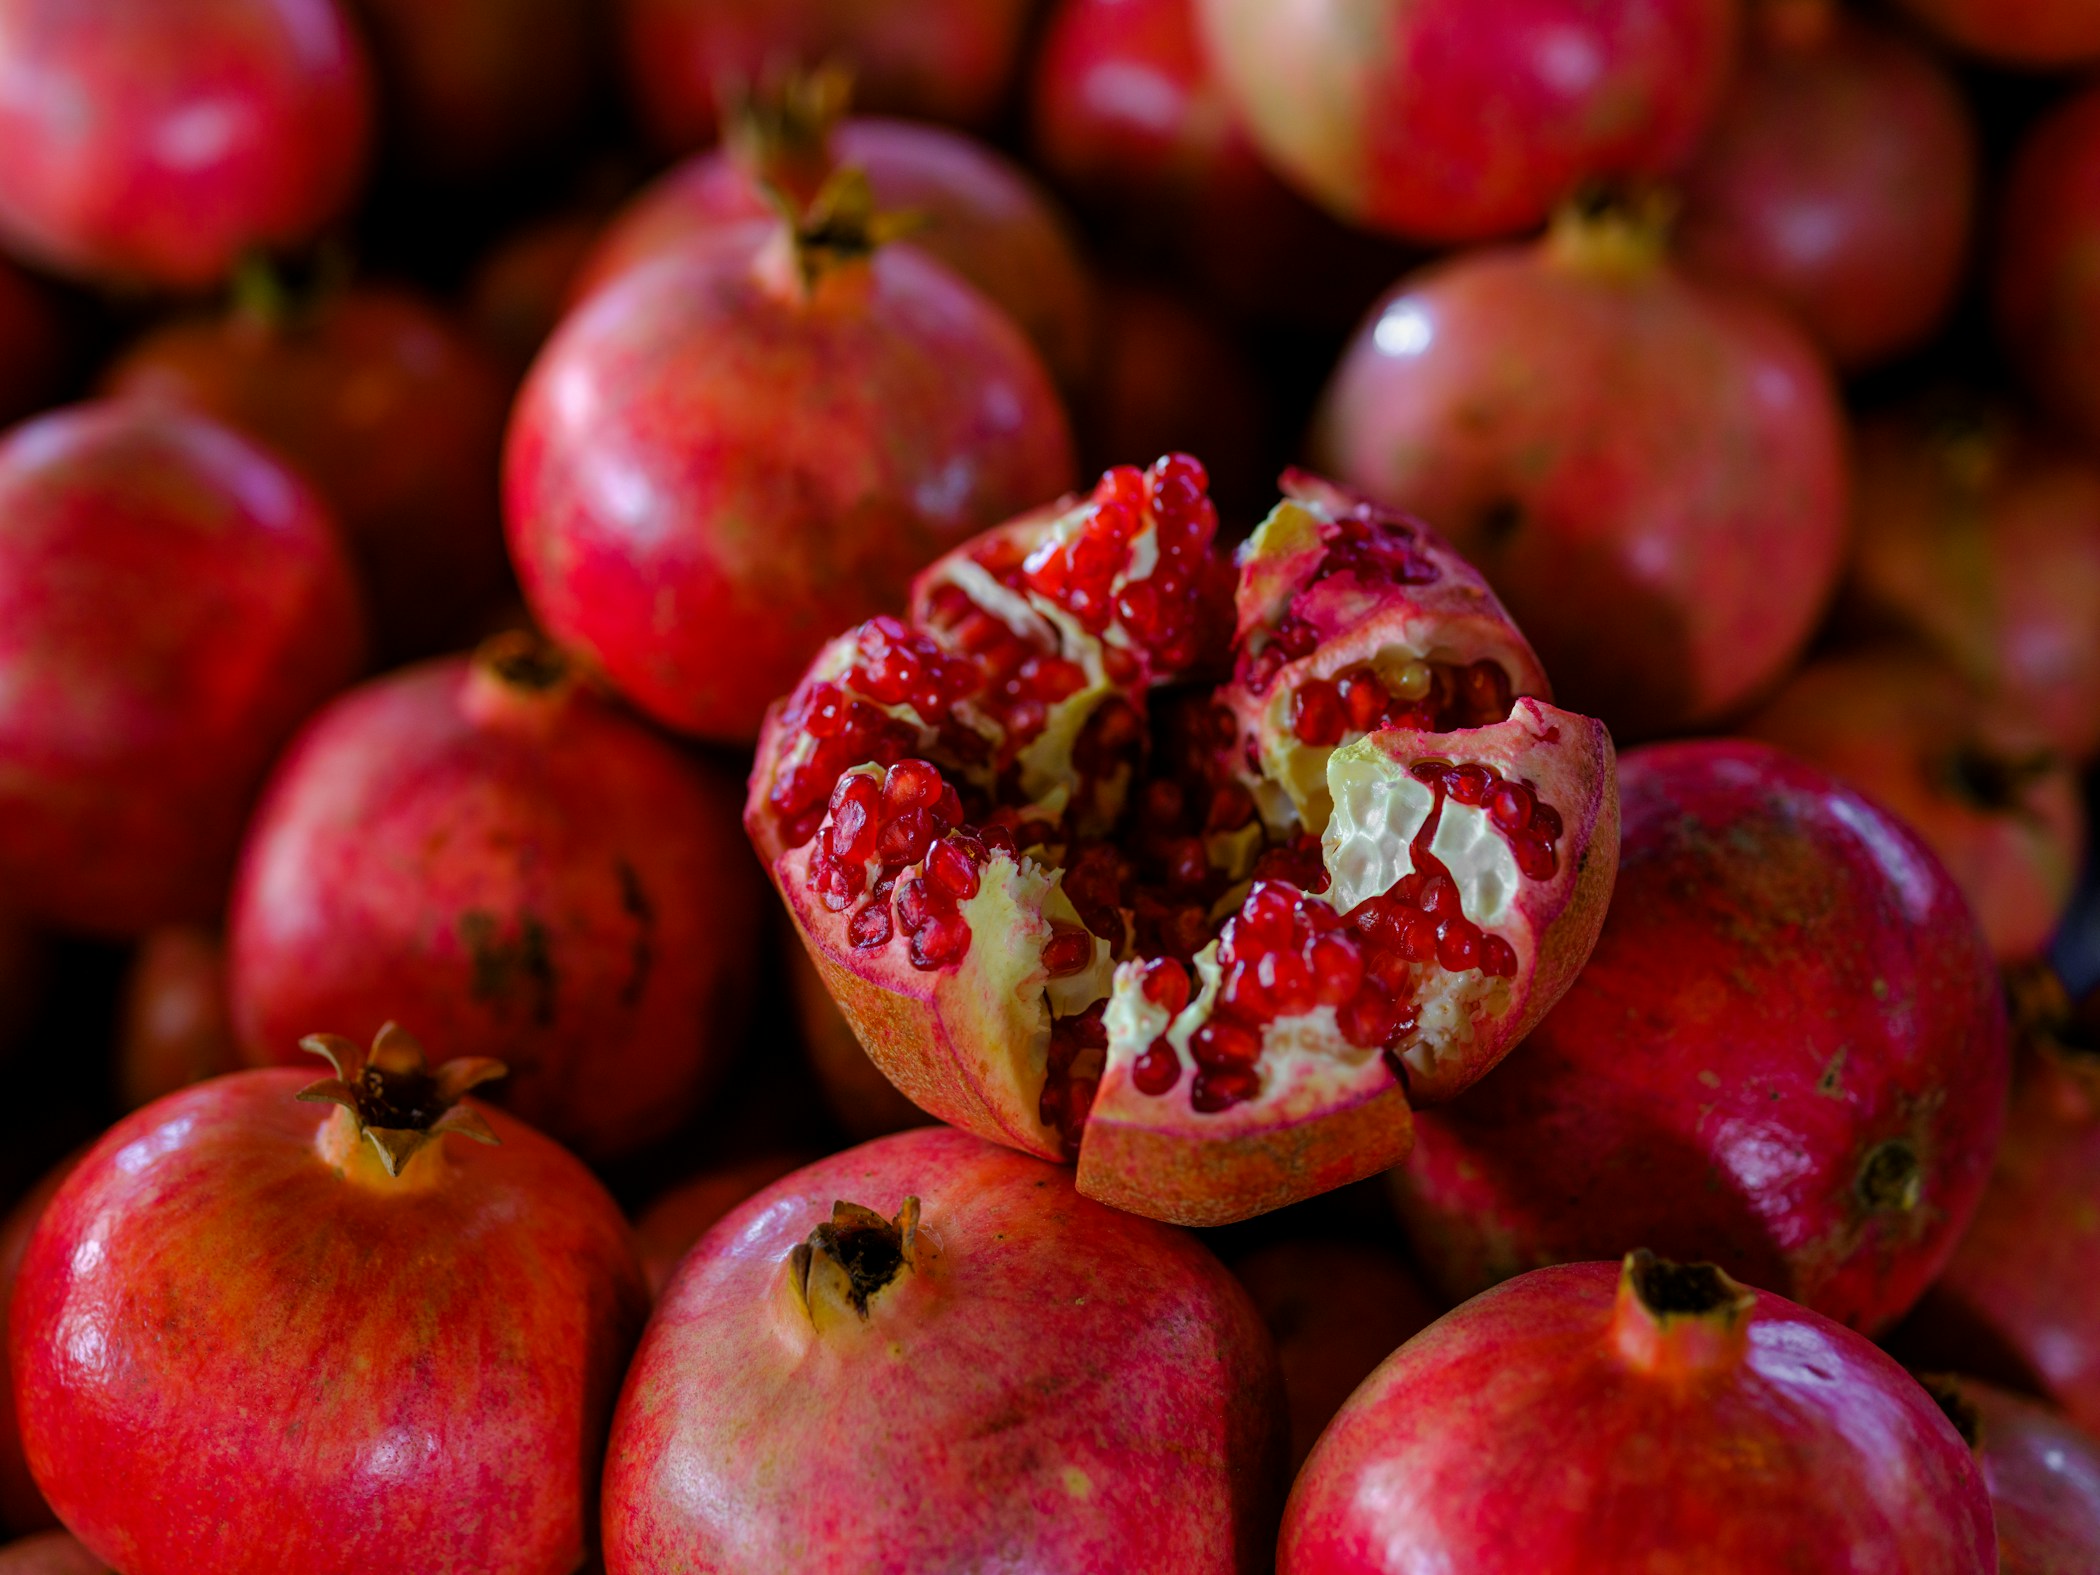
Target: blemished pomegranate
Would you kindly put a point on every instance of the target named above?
(1208, 939)
(666, 1230)
(32, 344)
(1839, 178)
(174, 1025)
(2017, 32)
(163, 144)
(399, 1316)
(861, 1100)
(1460, 120)
(53, 1553)
(487, 852)
(173, 601)
(380, 399)
(2047, 301)
(22, 1506)
(2043, 1474)
(1788, 1053)
(730, 454)
(1640, 1419)
(1979, 783)
(927, 1353)
(1596, 431)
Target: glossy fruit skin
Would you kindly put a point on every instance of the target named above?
(2043, 1474)
(111, 682)
(666, 1230)
(22, 1506)
(216, 1213)
(53, 1553)
(1840, 179)
(174, 1027)
(382, 400)
(2017, 32)
(164, 143)
(526, 875)
(32, 345)
(709, 471)
(861, 1100)
(1061, 1371)
(1593, 430)
(2046, 300)
(1814, 1451)
(1458, 121)
(1786, 970)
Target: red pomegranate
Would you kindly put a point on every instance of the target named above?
(734, 452)
(2048, 302)
(668, 1227)
(520, 289)
(1597, 432)
(32, 344)
(1789, 1052)
(1640, 1420)
(2043, 1475)
(2017, 32)
(174, 1026)
(1458, 120)
(1006, 890)
(22, 1506)
(53, 1553)
(1977, 782)
(162, 144)
(172, 602)
(927, 1353)
(1839, 178)
(490, 854)
(403, 1350)
(861, 1100)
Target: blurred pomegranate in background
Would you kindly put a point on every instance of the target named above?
(668, 1227)
(2016, 32)
(174, 1027)
(161, 144)
(54, 1553)
(2042, 1472)
(32, 344)
(863, 1102)
(22, 1506)
(520, 289)
(2045, 288)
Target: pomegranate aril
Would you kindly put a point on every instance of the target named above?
(1231, 807)
(835, 884)
(1165, 983)
(1185, 865)
(1287, 982)
(1367, 1019)
(1458, 945)
(906, 839)
(1337, 968)
(1469, 784)
(917, 903)
(1000, 839)
(1511, 806)
(1265, 918)
(1498, 959)
(945, 939)
(1068, 950)
(1225, 1044)
(1536, 859)
(949, 868)
(1440, 897)
(870, 927)
(1545, 821)
(1317, 717)
(1365, 700)
(1157, 1070)
(1216, 1089)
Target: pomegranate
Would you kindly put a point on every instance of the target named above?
(1380, 851)
(667, 1228)
(2043, 1475)
(1977, 782)
(53, 1553)
(135, 723)
(1337, 1309)
(219, 1257)
(1789, 1051)
(161, 144)
(22, 1506)
(486, 851)
(734, 451)
(1458, 120)
(32, 347)
(2048, 303)
(861, 1100)
(2017, 32)
(1983, 541)
(1597, 432)
(927, 1354)
(174, 1027)
(381, 400)
(1639, 1419)
(1840, 179)
(519, 291)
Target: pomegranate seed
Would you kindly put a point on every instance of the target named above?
(1337, 967)
(1123, 484)
(949, 868)
(870, 927)
(1068, 950)
(944, 940)
(1458, 945)
(852, 837)
(824, 711)
(1536, 859)
(1365, 699)
(1165, 984)
(1295, 637)
(1000, 839)
(1468, 784)
(918, 903)
(1367, 1020)
(1545, 820)
(1240, 991)
(1231, 807)
(1078, 1105)
(1511, 806)
(1440, 898)
(1222, 1088)
(1185, 865)
(1177, 482)
(970, 846)
(835, 884)
(1225, 1044)
(906, 839)
(1164, 804)
(1498, 959)
(910, 784)
(1317, 717)
(1265, 917)
(1157, 1070)
(1287, 981)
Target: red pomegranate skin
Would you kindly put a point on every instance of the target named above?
(711, 469)
(1788, 1052)
(2043, 285)
(2043, 1474)
(110, 684)
(1595, 431)
(398, 1373)
(32, 344)
(163, 143)
(1839, 179)
(174, 1024)
(22, 1506)
(666, 1230)
(53, 1553)
(507, 871)
(1046, 1381)
(1618, 1442)
(2017, 32)
(1461, 120)
(386, 404)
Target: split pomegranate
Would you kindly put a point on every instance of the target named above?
(2018, 32)
(22, 1506)
(382, 401)
(1206, 940)
(54, 1553)
(1597, 432)
(2043, 1475)
(927, 1353)
(32, 349)
(172, 602)
(161, 144)
(1788, 1052)
(1840, 179)
(668, 1227)
(487, 852)
(729, 454)
(1458, 120)
(174, 1027)
(1641, 1419)
(402, 1350)
(2047, 299)
(861, 1100)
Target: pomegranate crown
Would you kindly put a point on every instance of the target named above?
(852, 1255)
(840, 225)
(780, 128)
(394, 1097)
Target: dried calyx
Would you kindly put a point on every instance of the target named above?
(780, 132)
(839, 226)
(393, 1098)
(524, 661)
(852, 1256)
(1677, 1320)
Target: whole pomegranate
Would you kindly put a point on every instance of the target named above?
(161, 144)
(485, 851)
(1596, 431)
(1983, 541)
(2043, 286)
(53, 1553)
(22, 1506)
(1839, 178)
(1010, 828)
(255, 1336)
(32, 346)
(861, 1100)
(1458, 120)
(2017, 32)
(1789, 1052)
(1977, 782)
(172, 602)
(927, 1353)
(731, 453)
(2043, 1475)
(390, 409)
(666, 1230)
(174, 1027)
(1643, 1420)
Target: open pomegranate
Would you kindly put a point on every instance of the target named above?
(400, 1345)
(927, 1354)
(2043, 1474)
(861, 1100)
(2018, 32)
(1207, 938)
(1642, 1419)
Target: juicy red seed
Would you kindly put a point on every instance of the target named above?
(1138, 605)
(1367, 1019)
(1317, 716)
(870, 927)
(1511, 806)
(970, 846)
(1440, 898)
(857, 788)
(836, 884)
(1365, 699)
(1165, 984)
(918, 904)
(1123, 484)
(1221, 1088)
(910, 784)
(1458, 945)
(1287, 982)
(1185, 865)
(1295, 637)
(1265, 918)
(1177, 481)
(950, 869)
(1157, 1070)
(1337, 967)
(1231, 807)
(906, 839)
(852, 838)
(824, 711)
(1469, 784)
(1536, 859)
(1240, 992)
(1000, 839)
(1068, 950)
(944, 940)
(1223, 1044)
(1545, 820)
(1498, 959)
